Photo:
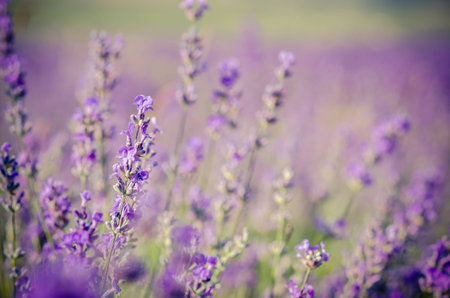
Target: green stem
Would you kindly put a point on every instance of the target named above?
(48, 235)
(308, 271)
(237, 217)
(173, 173)
(207, 167)
(14, 258)
(349, 205)
(111, 249)
(277, 254)
(251, 168)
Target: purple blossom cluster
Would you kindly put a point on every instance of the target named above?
(216, 220)
(436, 270)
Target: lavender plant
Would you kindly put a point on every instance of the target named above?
(215, 221)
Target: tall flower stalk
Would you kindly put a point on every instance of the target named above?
(11, 71)
(225, 110)
(102, 80)
(281, 198)
(11, 198)
(131, 172)
(191, 52)
(273, 99)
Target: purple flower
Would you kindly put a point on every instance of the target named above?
(130, 270)
(436, 272)
(358, 175)
(385, 137)
(55, 204)
(200, 204)
(184, 238)
(192, 11)
(295, 292)
(57, 279)
(191, 157)
(287, 60)
(229, 72)
(311, 256)
(144, 103)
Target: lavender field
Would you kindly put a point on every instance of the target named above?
(224, 148)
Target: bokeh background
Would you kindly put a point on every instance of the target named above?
(358, 63)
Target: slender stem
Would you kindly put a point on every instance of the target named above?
(237, 217)
(173, 172)
(14, 245)
(111, 249)
(83, 182)
(207, 167)
(48, 235)
(181, 128)
(349, 205)
(110, 252)
(251, 168)
(277, 253)
(308, 271)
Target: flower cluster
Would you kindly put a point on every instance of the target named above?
(12, 73)
(311, 256)
(436, 271)
(9, 180)
(385, 137)
(193, 9)
(130, 172)
(191, 157)
(295, 292)
(225, 99)
(55, 205)
(274, 92)
(84, 149)
(11, 199)
(200, 275)
(83, 238)
(103, 77)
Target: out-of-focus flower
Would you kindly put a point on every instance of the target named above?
(311, 256)
(385, 137)
(193, 9)
(295, 292)
(57, 279)
(436, 271)
(55, 204)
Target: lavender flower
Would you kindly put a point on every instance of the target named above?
(55, 205)
(84, 153)
(11, 199)
(200, 204)
(12, 73)
(193, 9)
(386, 136)
(130, 172)
(295, 292)
(201, 274)
(436, 271)
(104, 52)
(57, 279)
(102, 79)
(273, 97)
(358, 176)
(225, 99)
(311, 256)
(78, 242)
(191, 53)
(191, 157)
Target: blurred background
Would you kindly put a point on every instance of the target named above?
(358, 63)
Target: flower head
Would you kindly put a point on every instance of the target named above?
(311, 256)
